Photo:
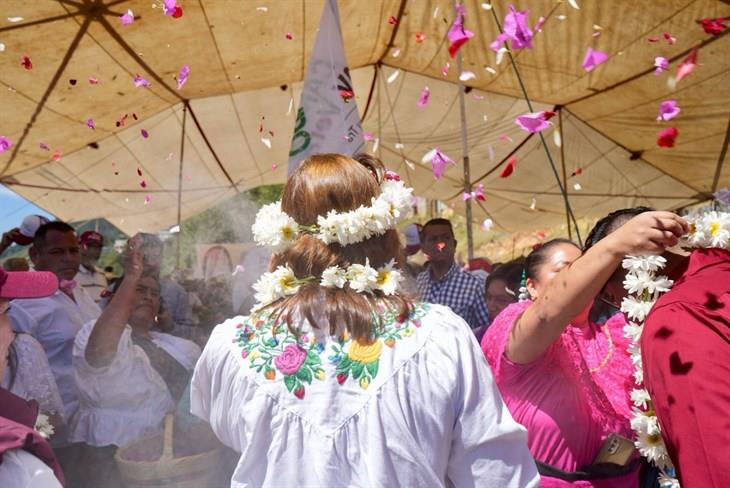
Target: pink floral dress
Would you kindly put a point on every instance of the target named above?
(563, 398)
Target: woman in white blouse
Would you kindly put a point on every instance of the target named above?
(343, 380)
(128, 376)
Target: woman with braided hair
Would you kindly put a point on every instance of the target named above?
(338, 378)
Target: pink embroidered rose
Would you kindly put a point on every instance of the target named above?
(289, 361)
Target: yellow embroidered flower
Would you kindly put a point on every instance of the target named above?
(320, 374)
(408, 332)
(364, 382)
(255, 354)
(365, 353)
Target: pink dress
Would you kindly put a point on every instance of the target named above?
(568, 410)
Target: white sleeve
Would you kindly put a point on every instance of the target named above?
(21, 469)
(35, 375)
(20, 319)
(489, 448)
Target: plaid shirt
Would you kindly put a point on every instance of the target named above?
(459, 290)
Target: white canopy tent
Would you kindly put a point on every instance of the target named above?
(246, 73)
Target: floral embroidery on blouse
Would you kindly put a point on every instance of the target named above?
(272, 350)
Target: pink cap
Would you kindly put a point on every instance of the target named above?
(27, 284)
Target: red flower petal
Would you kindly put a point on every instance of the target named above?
(667, 137)
(509, 167)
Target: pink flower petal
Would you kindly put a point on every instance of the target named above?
(458, 35)
(144, 133)
(127, 18)
(93, 80)
(423, 99)
(534, 122)
(669, 38)
(44, 146)
(445, 69)
(593, 58)
(439, 161)
(688, 65)
(661, 64)
(368, 136)
(668, 109)
(5, 144)
(516, 29)
(143, 184)
(182, 77)
(56, 155)
(147, 199)
(168, 7)
(91, 124)
(140, 81)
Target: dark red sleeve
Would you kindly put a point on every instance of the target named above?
(686, 354)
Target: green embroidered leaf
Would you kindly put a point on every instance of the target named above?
(313, 358)
(373, 368)
(344, 364)
(290, 381)
(305, 374)
(357, 369)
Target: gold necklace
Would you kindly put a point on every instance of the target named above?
(609, 354)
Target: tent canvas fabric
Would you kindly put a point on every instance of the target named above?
(247, 63)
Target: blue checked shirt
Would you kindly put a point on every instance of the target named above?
(459, 290)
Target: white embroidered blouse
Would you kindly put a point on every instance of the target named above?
(417, 407)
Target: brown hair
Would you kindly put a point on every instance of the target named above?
(322, 183)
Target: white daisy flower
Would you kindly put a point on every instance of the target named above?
(388, 278)
(274, 228)
(636, 283)
(362, 278)
(716, 227)
(333, 277)
(273, 286)
(660, 284)
(636, 309)
(43, 426)
(652, 447)
(643, 263)
(666, 481)
(633, 331)
(640, 398)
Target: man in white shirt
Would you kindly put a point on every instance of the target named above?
(55, 320)
(89, 277)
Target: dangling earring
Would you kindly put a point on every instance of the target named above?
(524, 294)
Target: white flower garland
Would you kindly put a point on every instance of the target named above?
(361, 277)
(645, 286)
(43, 426)
(275, 229)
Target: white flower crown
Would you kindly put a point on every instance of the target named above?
(362, 278)
(277, 230)
(644, 285)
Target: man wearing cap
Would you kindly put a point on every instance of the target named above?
(27, 458)
(22, 235)
(89, 277)
(55, 320)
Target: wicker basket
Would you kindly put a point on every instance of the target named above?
(195, 471)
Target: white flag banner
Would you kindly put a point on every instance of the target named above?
(327, 119)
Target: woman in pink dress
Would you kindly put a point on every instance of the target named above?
(561, 376)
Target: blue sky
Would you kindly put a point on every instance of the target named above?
(13, 208)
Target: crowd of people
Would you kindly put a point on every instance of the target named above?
(364, 359)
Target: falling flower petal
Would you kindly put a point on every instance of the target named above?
(239, 269)
(143, 184)
(458, 34)
(274, 167)
(477, 194)
(266, 142)
(486, 6)
(490, 70)
(2, 47)
(368, 136)
(504, 137)
(487, 225)
(557, 139)
(661, 64)
(392, 20)
(577, 187)
(91, 124)
(713, 26)
(56, 155)
(5, 144)
(410, 164)
(399, 145)
(396, 52)
(289, 36)
(533, 204)
(423, 99)
(688, 65)
(667, 137)
(500, 55)
(445, 69)
(139, 172)
(420, 37)
(127, 18)
(144, 133)
(515, 28)
(171, 9)
(72, 82)
(182, 76)
(490, 153)
(534, 122)
(668, 109)
(147, 199)
(669, 38)
(467, 75)
(15, 19)
(540, 22)
(438, 161)
(26, 62)
(393, 76)
(574, 4)
(140, 81)
(44, 146)
(593, 58)
(262, 9)
(509, 168)
(577, 172)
